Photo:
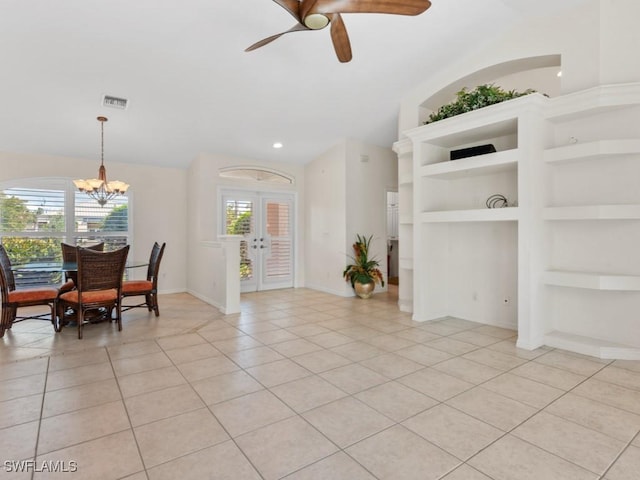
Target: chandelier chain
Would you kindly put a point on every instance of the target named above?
(99, 188)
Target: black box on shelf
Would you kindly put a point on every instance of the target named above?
(472, 151)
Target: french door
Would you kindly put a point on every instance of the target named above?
(266, 252)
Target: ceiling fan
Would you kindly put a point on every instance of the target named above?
(317, 14)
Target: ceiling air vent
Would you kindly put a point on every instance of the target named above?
(115, 102)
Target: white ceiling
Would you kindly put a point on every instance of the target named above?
(193, 89)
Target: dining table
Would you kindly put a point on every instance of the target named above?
(52, 267)
(32, 274)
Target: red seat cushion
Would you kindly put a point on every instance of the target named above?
(32, 295)
(135, 286)
(91, 297)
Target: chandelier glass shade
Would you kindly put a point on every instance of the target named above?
(99, 188)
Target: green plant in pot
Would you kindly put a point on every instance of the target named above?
(364, 272)
(479, 97)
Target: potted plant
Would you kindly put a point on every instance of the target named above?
(479, 97)
(364, 272)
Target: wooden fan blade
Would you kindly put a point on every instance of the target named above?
(296, 28)
(395, 7)
(340, 38)
(305, 8)
(291, 6)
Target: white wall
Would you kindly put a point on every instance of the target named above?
(370, 172)
(325, 230)
(158, 201)
(619, 40)
(204, 184)
(596, 43)
(346, 195)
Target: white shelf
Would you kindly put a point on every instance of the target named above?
(592, 150)
(478, 125)
(405, 179)
(591, 346)
(592, 281)
(592, 101)
(499, 162)
(406, 219)
(475, 215)
(406, 263)
(593, 212)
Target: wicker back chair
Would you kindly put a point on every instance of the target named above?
(13, 299)
(99, 286)
(69, 255)
(148, 287)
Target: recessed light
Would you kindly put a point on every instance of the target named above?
(277, 145)
(560, 73)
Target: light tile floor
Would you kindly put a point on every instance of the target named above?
(304, 385)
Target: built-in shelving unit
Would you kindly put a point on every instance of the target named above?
(592, 281)
(406, 179)
(559, 263)
(601, 149)
(406, 219)
(473, 215)
(404, 149)
(593, 152)
(406, 263)
(467, 256)
(593, 212)
(487, 164)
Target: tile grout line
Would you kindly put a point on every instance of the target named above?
(124, 404)
(626, 447)
(509, 432)
(44, 393)
(231, 438)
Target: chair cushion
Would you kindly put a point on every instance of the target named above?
(135, 286)
(26, 295)
(94, 296)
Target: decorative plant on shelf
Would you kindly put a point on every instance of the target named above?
(481, 96)
(364, 272)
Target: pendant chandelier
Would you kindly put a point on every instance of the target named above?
(98, 188)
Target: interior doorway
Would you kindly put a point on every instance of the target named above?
(265, 220)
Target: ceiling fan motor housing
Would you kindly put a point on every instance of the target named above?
(316, 21)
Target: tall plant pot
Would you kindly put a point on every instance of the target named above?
(364, 290)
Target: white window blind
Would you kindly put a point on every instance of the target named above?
(239, 220)
(278, 228)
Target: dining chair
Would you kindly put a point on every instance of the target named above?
(13, 299)
(69, 255)
(99, 287)
(148, 287)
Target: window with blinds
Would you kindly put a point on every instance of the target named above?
(278, 228)
(36, 215)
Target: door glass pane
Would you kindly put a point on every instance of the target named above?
(239, 221)
(278, 264)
